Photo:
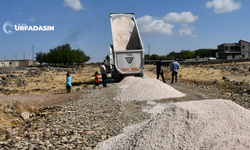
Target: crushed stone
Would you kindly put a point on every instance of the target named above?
(206, 124)
(145, 89)
(122, 28)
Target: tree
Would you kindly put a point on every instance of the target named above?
(146, 56)
(63, 54)
(44, 57)
(154, 57)
(40, 57)
(205, 53)
(173, 55)
(186, 54)
(80, 57)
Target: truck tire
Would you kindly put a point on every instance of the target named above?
(117, 77)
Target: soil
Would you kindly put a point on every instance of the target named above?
(238, 72)
(56, 95)
(43, 89)
(41, 100)
(84, 78)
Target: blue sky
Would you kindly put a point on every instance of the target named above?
(165, 25)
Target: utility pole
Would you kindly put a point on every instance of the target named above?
(16, 56)
(23, 56)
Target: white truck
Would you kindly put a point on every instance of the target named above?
(126, 53)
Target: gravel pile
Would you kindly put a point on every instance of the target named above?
(122, 29)
(138, 89)
(80, 124)
(208, 124)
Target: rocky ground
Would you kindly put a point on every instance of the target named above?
(33, 80)
(80, 123)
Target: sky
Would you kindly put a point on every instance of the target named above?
(164, 25)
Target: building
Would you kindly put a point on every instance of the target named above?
(234, 50)
(26, 63)
(17, 63)
(9, 63)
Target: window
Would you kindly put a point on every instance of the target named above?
(226, 47)
(243, 46)
(234, 48)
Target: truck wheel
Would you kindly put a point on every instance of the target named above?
(117, 77)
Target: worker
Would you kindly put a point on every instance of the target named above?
(174, 68)
(104, 75)
(159, 70)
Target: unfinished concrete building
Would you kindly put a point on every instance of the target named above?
(234, 50)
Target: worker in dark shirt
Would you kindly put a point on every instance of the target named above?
(159, 69)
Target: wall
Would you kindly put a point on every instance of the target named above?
(25, 63)
(245, 49)
(9, 63)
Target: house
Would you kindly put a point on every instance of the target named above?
(234, 50)
(17, 63)
(26, 63)
(9, 63)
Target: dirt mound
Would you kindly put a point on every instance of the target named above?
(134, 88)
(207, 124)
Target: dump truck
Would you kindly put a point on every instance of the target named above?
(126, 56)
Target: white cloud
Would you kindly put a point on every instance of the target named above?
(221, 6)
(32, 19)
(74, 4)
(19, 13)
(153, 26)
(194, 35)
(184, 17)
(188, 30)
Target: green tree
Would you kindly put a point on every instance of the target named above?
(173, 55)
(154, 57)
(44, 57)
(205, 53)
(186, 54)
(162, 57)
(39, 57)
(146, 56)
(63, 54)
(80, 56)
